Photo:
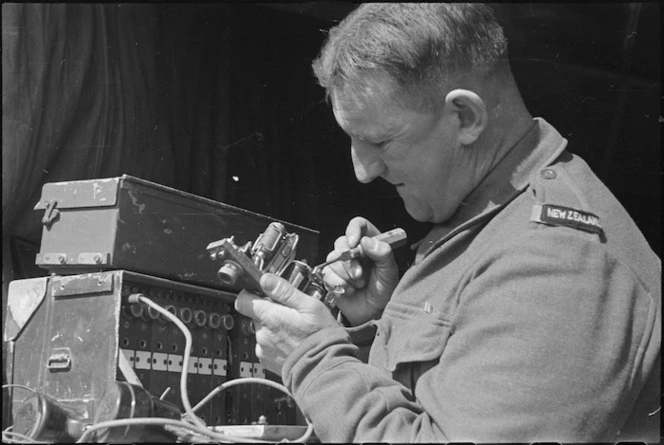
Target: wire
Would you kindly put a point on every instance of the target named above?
(15, 385)
(191, 422)
(163, 421)
(13, 437)
(187, 353)
(9, 436)
(236, 382)
(246, 380)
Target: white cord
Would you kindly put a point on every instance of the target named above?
(190, 413)
(307, 434)
(197, 424)
(163, 421)
(13, 437)
(246, 380)
(187, 353)
(236, 382)
(15, 385)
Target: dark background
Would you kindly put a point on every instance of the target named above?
(592, 70)
(219, 100)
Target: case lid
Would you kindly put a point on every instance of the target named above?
(77, 194)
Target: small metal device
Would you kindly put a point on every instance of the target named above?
(43, 418)
(273, 252)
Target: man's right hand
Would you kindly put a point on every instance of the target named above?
(368, 282)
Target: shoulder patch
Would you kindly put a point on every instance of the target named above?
(554, 215)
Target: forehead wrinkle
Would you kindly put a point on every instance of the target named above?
(362, 129)
(364, 115)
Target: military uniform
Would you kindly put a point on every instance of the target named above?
(533, 314)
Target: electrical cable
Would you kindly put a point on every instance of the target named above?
(163, 421)
(190, 420)
(7, 434)
(190, 413)
(304, 437)
(236, 382)
(16, 385)
(246, 380)
(13, 437)
(135, 298)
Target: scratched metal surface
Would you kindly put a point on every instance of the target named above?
(145, 227)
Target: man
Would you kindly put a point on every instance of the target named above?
(532, 311)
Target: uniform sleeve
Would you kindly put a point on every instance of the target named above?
(551, 341)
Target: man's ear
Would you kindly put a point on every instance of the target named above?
(470, 108)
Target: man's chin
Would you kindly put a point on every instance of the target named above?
(418, 213)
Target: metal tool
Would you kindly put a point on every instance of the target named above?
(395, 238)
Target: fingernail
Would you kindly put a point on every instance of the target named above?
(269, 282)
(352, 239)
(356, 271)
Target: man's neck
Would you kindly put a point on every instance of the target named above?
(509, 121)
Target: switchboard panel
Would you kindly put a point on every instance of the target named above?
(135, 302)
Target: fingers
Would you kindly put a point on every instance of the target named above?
(342, 273)
(340, 245)
(358, 227)
(281, 291)
(251, 305)
(260, 308)
(348, 273)
(266, 310)
(380, 252)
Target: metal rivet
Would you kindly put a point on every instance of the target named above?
(428, 308)
(62, 259)
(97, 259)
(547, 173)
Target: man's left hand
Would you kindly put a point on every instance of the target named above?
(282, 321)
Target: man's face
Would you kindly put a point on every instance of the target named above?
(417, 152)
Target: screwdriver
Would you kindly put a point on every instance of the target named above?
(395, 238)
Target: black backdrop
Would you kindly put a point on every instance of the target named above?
(592, 70)
(219, 100)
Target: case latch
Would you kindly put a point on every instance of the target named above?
(50, 213)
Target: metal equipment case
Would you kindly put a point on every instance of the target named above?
(69, 346)
(72, 334)
(133, 224)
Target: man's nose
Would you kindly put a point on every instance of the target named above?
(367, 162)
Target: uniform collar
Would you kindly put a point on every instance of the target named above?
(538, 148)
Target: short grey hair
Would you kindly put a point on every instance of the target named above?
(418, 46)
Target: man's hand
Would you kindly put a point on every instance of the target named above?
(283, 321)
(368, 282)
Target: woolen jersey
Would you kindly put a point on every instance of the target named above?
(534, 314)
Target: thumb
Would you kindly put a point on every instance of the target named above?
(378, 251)
(282, 291)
